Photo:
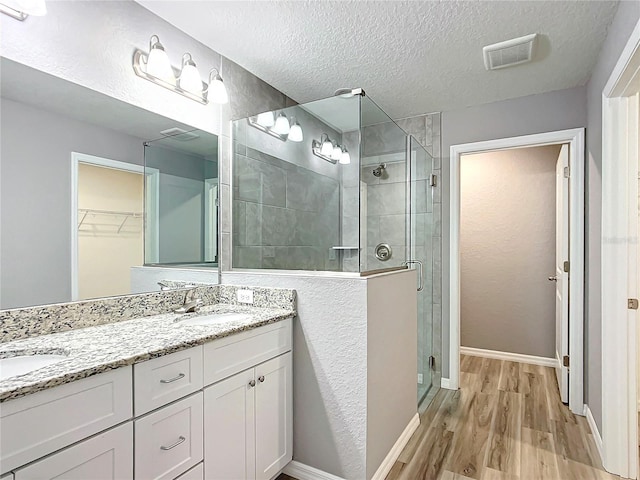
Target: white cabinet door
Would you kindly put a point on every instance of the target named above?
(107, 456)
(229, 428)
(274, 422)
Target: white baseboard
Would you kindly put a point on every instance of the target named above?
(512, 357)
(594, 429)
(446, 383)
(394, 453)
(305, 472)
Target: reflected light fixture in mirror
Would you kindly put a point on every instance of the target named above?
(282, 126)
(266, 119)
(295, 132)
(327, 150)
(156, 67)
(21, 9)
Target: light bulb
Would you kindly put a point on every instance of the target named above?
(189, 76)
(336, 153)
(37, 8)
(266, 119)
(295, 133)
(282, 126)
(217, 90)
(345, 158)
(327, 148)
(158, 64)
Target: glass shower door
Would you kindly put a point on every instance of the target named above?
(421, 230)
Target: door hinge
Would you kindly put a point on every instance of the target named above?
(565, 266)
(567, 172)
(433, 180)
(565, 361)
(632, 304)
(432, 362)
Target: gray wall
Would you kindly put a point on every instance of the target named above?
(619, 32)
(36, 198)
(507, 246)
(545, 112)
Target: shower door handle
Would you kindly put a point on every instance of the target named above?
(420, 277)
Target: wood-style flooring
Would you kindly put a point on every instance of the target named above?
(505, 423)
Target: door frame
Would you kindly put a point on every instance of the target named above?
(575, 139)
(76, 159)
(620, 110)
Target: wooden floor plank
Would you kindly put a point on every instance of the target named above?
(511, 416)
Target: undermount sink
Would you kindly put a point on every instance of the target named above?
(25, 363)
(214, 318)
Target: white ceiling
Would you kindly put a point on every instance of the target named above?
(412, 57)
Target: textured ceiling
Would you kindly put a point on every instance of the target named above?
(411, 57)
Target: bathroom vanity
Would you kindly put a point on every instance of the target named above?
(167, 396)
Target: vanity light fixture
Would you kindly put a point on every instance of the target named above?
(21, 9)
(156, 67)
(295, 132)
(277, 126)
(330, 152)
(282, 125)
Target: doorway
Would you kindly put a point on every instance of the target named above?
(107, 198)
(620, 262)
(573, 334)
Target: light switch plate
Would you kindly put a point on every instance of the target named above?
(244, 296)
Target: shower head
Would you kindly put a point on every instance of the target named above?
(379, 170)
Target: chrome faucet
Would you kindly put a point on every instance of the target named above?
(191, 302)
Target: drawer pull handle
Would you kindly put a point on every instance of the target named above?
(181, 439)
(261, 378)
(171, 380)
(252, 383)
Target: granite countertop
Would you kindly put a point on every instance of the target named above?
(102, 348)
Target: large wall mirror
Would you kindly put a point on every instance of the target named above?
(93, 188)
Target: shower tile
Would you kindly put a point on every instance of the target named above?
(429, 129)
(277, 226)
(239, 223)
(247, 257)
(394, 173)
(248, 95)
(224, 155)
(367, 176)
(437, 269)
(350, 201)
(225, 251)
(373, 230)
(253, 224)
(383, 138)
(416, 126)
(350, 232)
(437, 220)
(259, 182)
(393, 229)
(437, 190)
(225, 213)
(386, 199)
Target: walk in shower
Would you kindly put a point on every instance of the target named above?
(335, 185)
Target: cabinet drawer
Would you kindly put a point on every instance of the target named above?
(165, 379)
(169, 441)
(41, 423)
(107, 456)
(233, 354)
(196, 473)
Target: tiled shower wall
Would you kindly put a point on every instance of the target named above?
(284, 216)
(386, 219)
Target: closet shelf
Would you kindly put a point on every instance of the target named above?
(108, 218)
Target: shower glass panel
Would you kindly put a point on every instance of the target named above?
(421, 250)
(383, 190)
(181, 198)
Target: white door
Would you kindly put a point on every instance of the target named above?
(561, 277)
(274, 444)
(108, 456)
(229, 428)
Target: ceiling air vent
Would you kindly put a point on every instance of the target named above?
(510, 52)
(179, 134)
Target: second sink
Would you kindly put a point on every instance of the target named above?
(21, 364)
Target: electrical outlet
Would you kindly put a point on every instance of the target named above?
(244, 296)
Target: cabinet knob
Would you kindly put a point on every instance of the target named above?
(261, 378)
(252, 383)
